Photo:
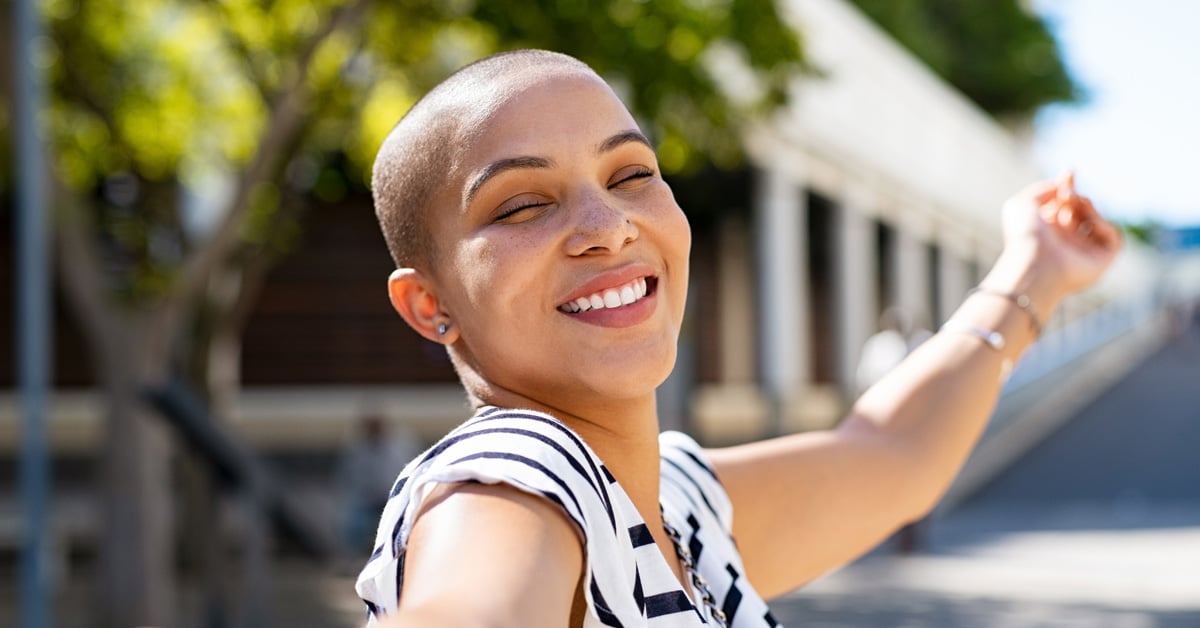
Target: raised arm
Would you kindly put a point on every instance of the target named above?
(806, 503)
(490, 556)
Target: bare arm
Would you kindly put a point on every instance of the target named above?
(489, 556)
(806, 503)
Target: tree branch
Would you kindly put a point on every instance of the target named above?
(288, 114)
(235, 42)
(79, 264)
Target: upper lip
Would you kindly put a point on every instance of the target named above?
(610, 279)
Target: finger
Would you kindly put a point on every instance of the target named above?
(1091, 226)
(1065, 217)
(1108, 235)
(1066, 185)
(1102, 232)
(1041, 192)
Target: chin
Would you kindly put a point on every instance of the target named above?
(633, 381)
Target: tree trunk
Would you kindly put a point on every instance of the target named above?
(136, 553)
(231, 297)
(131, 349)
(214, 364)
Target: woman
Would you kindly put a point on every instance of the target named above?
(536, 239)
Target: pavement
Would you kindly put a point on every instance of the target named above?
(1097, 526)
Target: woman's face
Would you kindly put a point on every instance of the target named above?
(562, 255)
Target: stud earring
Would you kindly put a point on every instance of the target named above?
(441, 329)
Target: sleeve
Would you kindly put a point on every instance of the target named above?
(530, 451)
(685, 464)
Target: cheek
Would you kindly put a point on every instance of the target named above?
(677, 247)
(671, 222)
(499, 271)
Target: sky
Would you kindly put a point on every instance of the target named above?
(1135, 142)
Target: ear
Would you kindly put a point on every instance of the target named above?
(414, 298)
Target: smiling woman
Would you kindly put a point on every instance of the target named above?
(535, 238)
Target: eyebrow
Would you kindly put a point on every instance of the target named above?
(622, 138)
(529, 162)
(504, 165)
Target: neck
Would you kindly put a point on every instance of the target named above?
(628, 444)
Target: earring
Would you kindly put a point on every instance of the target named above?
(441, 329)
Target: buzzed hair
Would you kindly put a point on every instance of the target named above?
(424, 147)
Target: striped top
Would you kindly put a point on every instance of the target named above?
(628, 581)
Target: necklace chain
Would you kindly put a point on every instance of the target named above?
(716, 615)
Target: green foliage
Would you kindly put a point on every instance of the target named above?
(144, 96)
(657, 51)
(146, 87)
(148, 95)
(1145, 231)
(997, 53)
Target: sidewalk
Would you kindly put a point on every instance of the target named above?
(1097, 526)
(990, 569)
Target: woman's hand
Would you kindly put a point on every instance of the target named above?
(1059, 233)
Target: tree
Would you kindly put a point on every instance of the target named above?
(996, 53)
(158, 103)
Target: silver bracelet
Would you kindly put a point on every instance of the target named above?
(993, 338)
(1020, 300)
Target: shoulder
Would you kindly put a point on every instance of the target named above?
(529, 451)
(488, 551)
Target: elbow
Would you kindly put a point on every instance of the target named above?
(921, 506)
(915, 476)
(923, 490)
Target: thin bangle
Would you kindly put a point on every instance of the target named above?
(991, 337)
(1018, 299)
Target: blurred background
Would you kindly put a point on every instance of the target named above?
(207, 394)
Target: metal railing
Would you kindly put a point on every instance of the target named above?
(1079, 337)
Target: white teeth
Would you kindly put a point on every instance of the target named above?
(612, 298)
(627, 295)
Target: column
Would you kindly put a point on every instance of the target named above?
(911, 276)
(854, 286)
(734, 410)
(954, 277)
(784, 346)
(735, 268)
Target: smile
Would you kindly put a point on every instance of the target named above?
(611, 298)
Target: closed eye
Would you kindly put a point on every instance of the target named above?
(630, 175)
(514, 211)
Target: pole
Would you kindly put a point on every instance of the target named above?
(33, 316)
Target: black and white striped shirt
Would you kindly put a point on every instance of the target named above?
(629, 583)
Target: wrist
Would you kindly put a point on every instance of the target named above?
(1019, 272)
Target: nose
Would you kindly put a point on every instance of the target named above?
(599, 227)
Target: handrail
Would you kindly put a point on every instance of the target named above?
(1077, 338)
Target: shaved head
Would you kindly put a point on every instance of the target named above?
(423, 152)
